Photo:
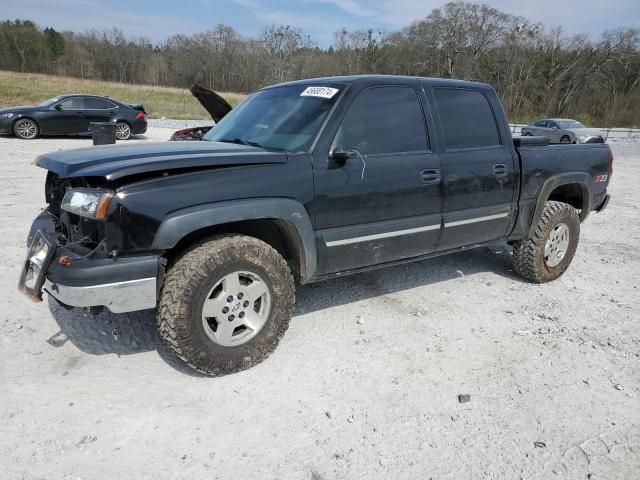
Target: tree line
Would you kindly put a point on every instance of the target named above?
(537, 70)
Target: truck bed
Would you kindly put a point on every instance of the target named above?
(544, 166)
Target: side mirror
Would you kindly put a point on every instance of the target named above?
(58, 106)
(555, 128)
(339, 155)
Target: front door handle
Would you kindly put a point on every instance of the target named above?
(499, 169)
(430, 176)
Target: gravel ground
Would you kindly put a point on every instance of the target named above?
(365, 383)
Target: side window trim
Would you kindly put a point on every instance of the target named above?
(501, 143)
(425, 124)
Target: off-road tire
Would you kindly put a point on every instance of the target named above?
(188, 282)
(528, 255)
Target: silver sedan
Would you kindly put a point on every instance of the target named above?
(562, 130)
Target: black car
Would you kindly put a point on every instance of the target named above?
(71, 115)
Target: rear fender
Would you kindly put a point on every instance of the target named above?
(583, 179)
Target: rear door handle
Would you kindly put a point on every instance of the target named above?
(499, 169)
(430, 176)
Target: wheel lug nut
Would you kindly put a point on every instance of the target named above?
(225, 309)
(241, 314)
(230, 298)
(231, 318)
(246, 303)
(240, 295)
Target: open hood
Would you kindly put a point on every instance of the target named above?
(213, 103)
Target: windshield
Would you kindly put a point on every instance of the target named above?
(570, 124)
(48, 103)
(282, 118)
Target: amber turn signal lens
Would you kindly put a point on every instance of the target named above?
(103, 206)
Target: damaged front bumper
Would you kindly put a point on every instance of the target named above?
(122, 284)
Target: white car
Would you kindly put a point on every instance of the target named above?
(563, 130)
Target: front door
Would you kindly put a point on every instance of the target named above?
(67, 117)
(383, 202)
(478, 170)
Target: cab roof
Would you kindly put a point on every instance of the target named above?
(366, 80)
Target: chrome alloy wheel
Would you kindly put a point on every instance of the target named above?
(236, 308)
(556, 246)
(26, 128)
(123, 131)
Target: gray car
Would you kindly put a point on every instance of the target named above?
(563, 130)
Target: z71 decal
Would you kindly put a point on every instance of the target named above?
(600, 178)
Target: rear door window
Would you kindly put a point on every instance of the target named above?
(384, 120)
(97, 103)
(467, 119)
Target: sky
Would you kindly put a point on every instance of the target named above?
(158, 19)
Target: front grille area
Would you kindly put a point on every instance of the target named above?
(80, 230)
(70, 227)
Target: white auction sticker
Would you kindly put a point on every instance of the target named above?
(323, 92)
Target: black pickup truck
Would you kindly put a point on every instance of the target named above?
(302, 182)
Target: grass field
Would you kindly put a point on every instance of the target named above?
(30, 88)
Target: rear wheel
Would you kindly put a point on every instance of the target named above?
(225, 304)
(123, 131)
(26, 129)
(548, 253)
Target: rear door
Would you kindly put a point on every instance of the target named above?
(478, 168)
(539, 128)
(99, 109)
(383, 203)
(554, 132)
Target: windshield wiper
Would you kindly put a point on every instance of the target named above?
(241, 141)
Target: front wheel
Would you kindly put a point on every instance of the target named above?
(565, 139)
(548, 253)
(26, 129)
(225, 304)
(123, 131)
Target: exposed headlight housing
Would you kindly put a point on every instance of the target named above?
(87, 202)
(7, 115)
